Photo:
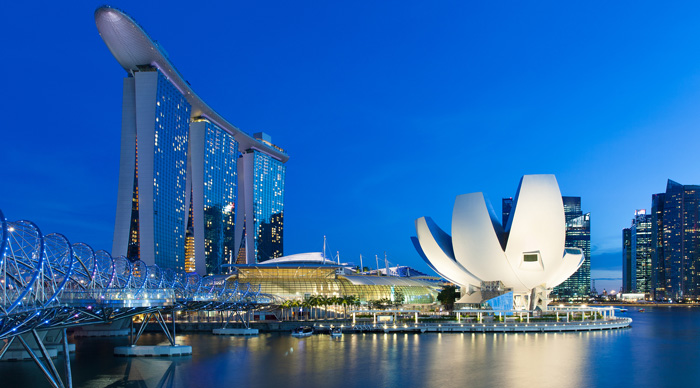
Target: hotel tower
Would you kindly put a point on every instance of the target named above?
(195, 192)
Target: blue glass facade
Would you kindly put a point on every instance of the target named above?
(170, 174)
(268, 206)
(220, 187)
(578, 235)
(678, 236)
(501, 302)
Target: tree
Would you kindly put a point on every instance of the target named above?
(399, 298)
(448, 296)
(349, 300)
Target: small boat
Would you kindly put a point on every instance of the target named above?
(336, 332)
(641, 310)
(302, 331)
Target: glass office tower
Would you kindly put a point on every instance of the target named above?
(658, 272)
(676, 240)
(641, 244)
(637, 254)
(627, 266)
(578, 235)
(506, 208)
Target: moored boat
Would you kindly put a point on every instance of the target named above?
(302, 331)
(336, 332)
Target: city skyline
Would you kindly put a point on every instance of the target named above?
(534, 83)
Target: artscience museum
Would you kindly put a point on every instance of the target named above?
(513, 266)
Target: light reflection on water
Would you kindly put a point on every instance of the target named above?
(661, 349)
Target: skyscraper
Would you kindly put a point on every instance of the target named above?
(151, 202)
(676, 240)
(637, 254)
(578, 235)
(658, 271)
(641, 250)
(627, 266)
(181, 163)
(260, 226)
(506, 208)
(214, 157)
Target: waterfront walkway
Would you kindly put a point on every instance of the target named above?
(540, 327)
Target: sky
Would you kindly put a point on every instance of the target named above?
(388, 110)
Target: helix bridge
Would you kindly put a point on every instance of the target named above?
(49, 283)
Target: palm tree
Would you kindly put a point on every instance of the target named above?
(294, 304)
(336, 301)
(314, 301)
(349, 300)
(284, 305)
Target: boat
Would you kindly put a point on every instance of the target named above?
(641, 310)
(302, 331)
(336, 332)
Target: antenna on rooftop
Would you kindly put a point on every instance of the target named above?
(324, 250)
(386, 264)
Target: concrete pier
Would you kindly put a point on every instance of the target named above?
(153, 351)
(235, 331)
(496, 327)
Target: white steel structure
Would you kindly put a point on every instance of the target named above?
(527, 255)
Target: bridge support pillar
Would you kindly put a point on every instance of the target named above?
(159, 350)
(47, 366)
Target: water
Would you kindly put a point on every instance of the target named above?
(662, 349)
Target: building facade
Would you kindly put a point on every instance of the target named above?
(627, 273)
(676, 242)
(180, 196)
(637, 250)
(578, 235)
(658, 272)
(260, 226)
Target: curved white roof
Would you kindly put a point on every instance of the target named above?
(132, 47)
(365, 280)
(301, 258)
(437, 247)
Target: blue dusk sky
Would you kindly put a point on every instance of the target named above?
(388, 110)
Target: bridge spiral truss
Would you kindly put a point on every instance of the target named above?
(47, 282)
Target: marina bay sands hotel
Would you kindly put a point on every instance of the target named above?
(195, 192)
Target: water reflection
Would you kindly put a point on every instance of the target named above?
(659, 350)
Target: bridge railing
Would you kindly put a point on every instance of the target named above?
(45, 279)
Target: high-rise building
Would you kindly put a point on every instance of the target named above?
(506, 208)
(627, 265)
(578, 235)
(641, 251)
(658, 271)
(151, 202)
(637, 254)
(676, 240)
(181, 163)
(214, 158)
(260, 226)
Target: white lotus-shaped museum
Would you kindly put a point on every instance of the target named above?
(528, 255)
